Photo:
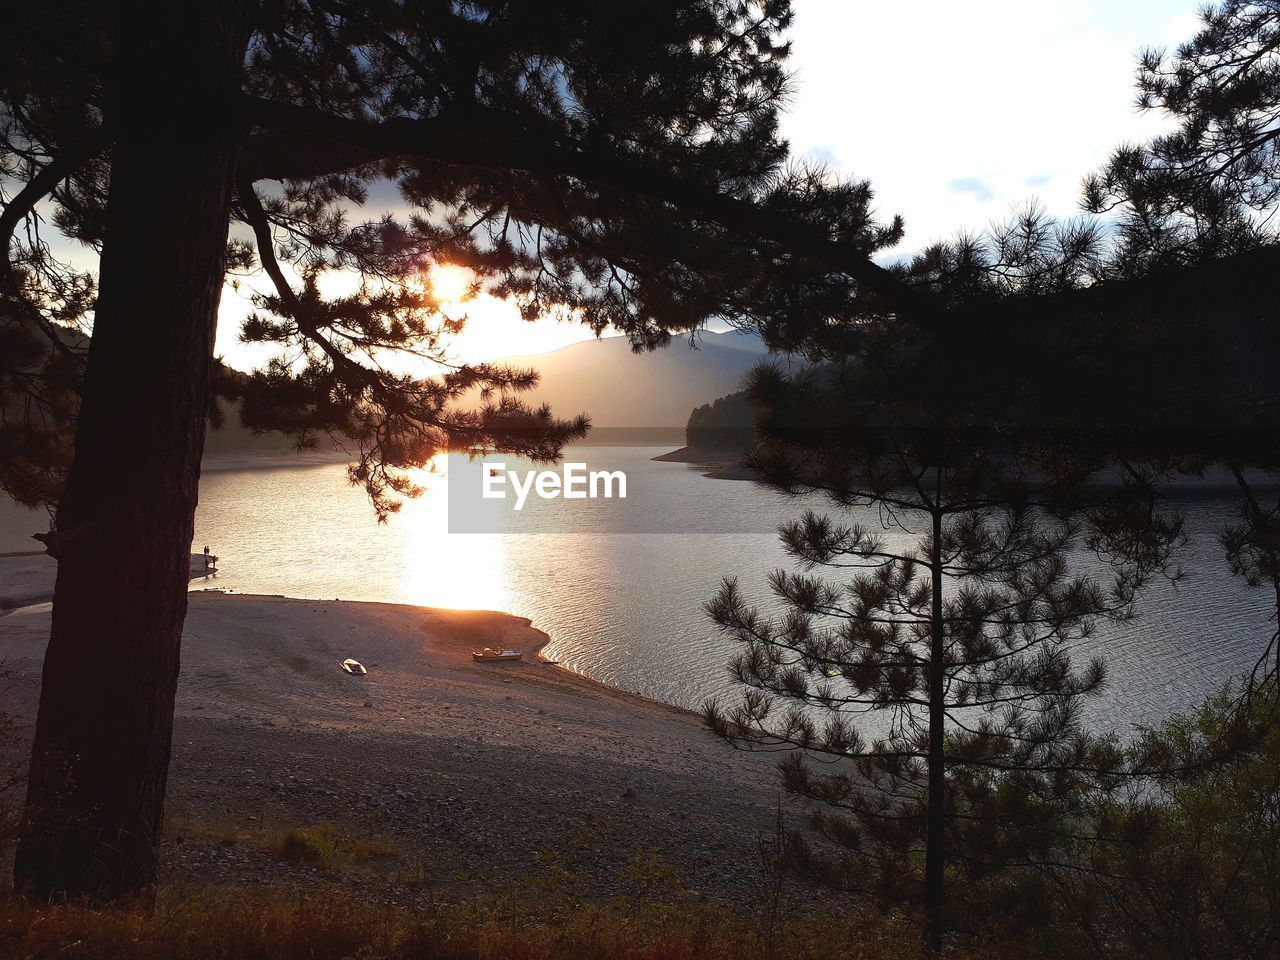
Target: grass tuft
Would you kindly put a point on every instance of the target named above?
(324, 846)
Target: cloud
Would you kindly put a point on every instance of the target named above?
(915, 97)
(974, 186)
(1038, 180)
(823, 154)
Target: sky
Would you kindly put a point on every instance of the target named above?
(958, 114)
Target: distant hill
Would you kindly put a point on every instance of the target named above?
(725, 424)
(618, 388)
(719, 434)
(648, 395)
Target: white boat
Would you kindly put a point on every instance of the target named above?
(489, 653)
(354, 667)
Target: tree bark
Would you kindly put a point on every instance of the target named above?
(935, 824)
(124, 526)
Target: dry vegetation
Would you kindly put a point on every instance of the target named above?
(324, 846)
(330, 924)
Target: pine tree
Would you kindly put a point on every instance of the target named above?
(617, 167)
(1207, 188)
(929, 698)
(1208, 191)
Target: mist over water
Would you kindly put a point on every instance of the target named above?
(624, 606)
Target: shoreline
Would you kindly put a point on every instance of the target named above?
(479, 773)
(533, 652)
(603, 437)
(715, 464)
(718, 465)
(221, 463)
(27, 578)
(33, 571)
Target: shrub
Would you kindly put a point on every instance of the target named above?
(324, 846)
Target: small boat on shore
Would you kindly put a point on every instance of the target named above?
(489, 653)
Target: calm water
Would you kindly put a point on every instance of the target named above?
(625, 606)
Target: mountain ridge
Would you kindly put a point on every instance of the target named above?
(618, 388)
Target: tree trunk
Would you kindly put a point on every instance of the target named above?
(124, 527)
(935, 825)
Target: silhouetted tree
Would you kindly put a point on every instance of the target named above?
(953, 625)
(1207, 191)
(1053, 351)
(618, 167)
(1196, 233)
(725, 425)
(1206, 188)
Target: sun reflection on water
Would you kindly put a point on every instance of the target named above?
(461, 572)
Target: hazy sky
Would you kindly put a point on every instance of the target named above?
(956, 112)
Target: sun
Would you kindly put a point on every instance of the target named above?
(450, 283)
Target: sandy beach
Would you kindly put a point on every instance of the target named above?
(467, 775)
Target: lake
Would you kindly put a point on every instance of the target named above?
(619, 585)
